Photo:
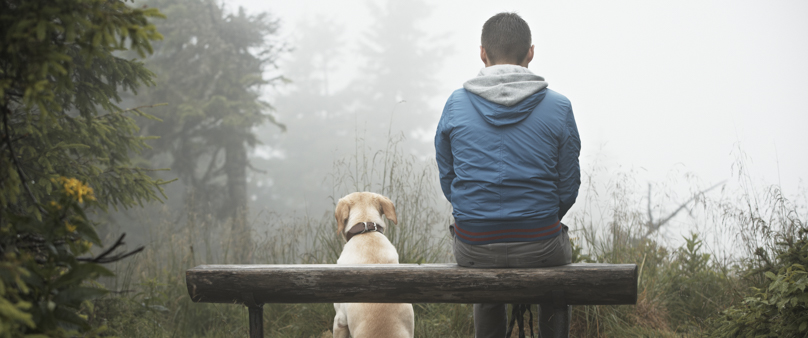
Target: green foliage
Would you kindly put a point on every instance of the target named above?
(779, 308)
(13, 309)
(693, 289)
(59, 82)
(45, 276)
(63, 133)
(671, 281)
(649, 317)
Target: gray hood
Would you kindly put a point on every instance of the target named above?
(505, 84)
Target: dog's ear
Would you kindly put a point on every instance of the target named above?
(388, 209)
(341, 214)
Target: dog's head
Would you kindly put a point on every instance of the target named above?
(363, 207)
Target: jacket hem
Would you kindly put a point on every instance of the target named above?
(487, 232)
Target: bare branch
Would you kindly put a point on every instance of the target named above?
(17, 165)
(12, 140)
(103, 259)
(653, 227)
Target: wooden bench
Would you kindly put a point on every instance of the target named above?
(255, 285)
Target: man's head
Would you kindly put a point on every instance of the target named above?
(506, 40)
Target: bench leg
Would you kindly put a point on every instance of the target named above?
(256, 321)
(554, 320)
(561, 320)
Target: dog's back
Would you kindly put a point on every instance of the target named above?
(369, 319)
(370, 248)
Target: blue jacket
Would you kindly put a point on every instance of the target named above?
(510, 172)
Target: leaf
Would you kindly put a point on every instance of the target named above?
(73, 297)
(79, 273)
(770, 275)
(40, 30)
(96, 39)
(67, 315)
(16, 312)
(88, 232)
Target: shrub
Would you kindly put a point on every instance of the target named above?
(60, 133)
(779, 307)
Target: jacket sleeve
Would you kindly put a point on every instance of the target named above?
(443, 151)
(569, 170)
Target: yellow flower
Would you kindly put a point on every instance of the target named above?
(70, 227)
(77, 190)
(55, 205)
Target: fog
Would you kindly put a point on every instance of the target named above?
(662, 90)
(678, 96)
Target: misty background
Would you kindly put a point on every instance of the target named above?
(669, 97)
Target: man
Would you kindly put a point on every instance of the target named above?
(507, 151)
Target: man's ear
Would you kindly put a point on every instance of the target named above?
(388, 209)
(528, 57)
(484, 57)
(341, 214)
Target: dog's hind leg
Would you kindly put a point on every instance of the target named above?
(341, 331)
(340, 323)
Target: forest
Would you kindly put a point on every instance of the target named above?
(140, 139)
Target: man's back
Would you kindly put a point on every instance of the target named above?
(510, 169)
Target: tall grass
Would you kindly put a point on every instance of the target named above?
(151, 299)
(680, 287)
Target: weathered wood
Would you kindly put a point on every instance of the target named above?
(591, 284)
(256, 321)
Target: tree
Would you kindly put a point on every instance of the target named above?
(315, 118)
(330, 121)
(400, 67)
(211, 65)
(65, 149)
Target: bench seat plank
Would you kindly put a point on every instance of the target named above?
(574, 284)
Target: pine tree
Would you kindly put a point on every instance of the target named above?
(211, 67)
(316, 121)
(398, 78)
(65, 148)
(333, 122)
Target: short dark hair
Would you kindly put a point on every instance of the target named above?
(506, 38)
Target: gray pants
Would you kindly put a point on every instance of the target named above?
(490, 320)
